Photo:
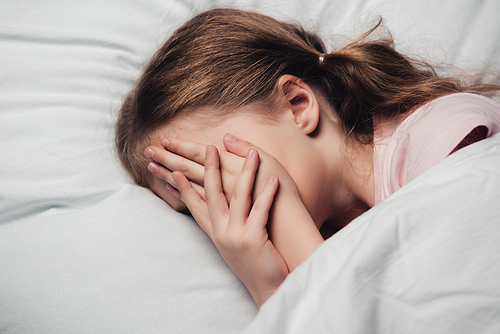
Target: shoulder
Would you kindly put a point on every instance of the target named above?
(460, 105)
(431, 132)
(449, 118)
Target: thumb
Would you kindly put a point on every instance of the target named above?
(237, 146)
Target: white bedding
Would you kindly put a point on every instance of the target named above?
(84, 251)
(426, 260)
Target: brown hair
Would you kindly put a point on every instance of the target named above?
(228, 58)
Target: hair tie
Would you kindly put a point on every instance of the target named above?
(321, 58)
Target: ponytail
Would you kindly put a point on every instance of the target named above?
(366, 78)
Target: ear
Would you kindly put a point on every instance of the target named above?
(301, 100)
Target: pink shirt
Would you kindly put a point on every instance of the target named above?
(427, 136)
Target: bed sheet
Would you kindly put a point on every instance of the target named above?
(81, 249)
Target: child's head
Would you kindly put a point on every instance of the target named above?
(224, 60)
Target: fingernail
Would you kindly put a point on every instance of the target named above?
(271, 178)
(153, 168)
(165, 142)
(208, 151)
(150, 153)
(171, 188)
(230, 138)
(250, 154)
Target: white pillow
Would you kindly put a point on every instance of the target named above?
(81, 249)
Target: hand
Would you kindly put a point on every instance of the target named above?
(238, 231)
(291, 228)
(189, 158)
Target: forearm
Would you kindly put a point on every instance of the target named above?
(292, 230)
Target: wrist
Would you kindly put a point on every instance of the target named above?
(262, 293)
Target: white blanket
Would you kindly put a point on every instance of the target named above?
(82, 250)
(426, 260)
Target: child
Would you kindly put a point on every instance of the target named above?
(332, 134)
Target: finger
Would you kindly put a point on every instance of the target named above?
(190, 150)
(216, 200)
(166, 175)
(199, 189)
(241, 200)
(167, 161)
(174, 191)
(259, 214)
(196, 205)
(237, 146)
(161, 172)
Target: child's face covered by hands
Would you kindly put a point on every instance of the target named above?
(234, 209)
(280, 139)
